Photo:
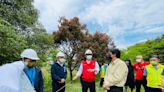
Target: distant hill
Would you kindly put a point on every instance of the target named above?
(146, 49)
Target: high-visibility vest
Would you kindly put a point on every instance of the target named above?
(103, 71)
(154, 76)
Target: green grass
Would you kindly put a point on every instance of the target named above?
(75, 86)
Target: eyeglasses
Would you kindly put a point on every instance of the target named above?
(32, 60)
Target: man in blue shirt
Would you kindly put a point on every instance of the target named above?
(34, 74)
(59, 73)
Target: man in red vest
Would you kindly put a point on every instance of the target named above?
(88, 70)
(139, 69)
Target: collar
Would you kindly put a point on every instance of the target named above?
(115, 61)
(60, 63)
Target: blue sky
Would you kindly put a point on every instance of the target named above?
(127, 22)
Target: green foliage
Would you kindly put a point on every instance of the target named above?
(19, 13)
(11, 44)
(20, 29)
(146, 49)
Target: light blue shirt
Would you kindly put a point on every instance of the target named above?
(30, 72)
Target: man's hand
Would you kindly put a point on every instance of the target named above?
(91, 70)
(74, 78)
(62, 81)
(106, 87)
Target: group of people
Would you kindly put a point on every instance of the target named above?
(148, 74)
(24, 76)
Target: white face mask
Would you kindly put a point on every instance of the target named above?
(26, 63)
(62, 60)
(89, 57)
(138, 60)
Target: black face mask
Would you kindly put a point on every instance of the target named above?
(109, 57)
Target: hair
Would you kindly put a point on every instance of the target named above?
(116, 52)
(155, 56)
(139, 56)
(128, 61)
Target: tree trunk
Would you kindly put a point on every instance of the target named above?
(70, 70)
(71, 75)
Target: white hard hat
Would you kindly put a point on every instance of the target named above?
(88, 51)
(60, 54)
(29, 53)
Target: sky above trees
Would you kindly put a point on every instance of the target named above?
(126, 21)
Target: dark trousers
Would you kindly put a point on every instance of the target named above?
(115, 89)
(101, 82)
(88, 85)
(153, 89)
(56, 86)
(138, 85)
(81, 81)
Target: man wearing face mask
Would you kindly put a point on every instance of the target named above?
(154, 73)
(139, 69)
(59, 73)
(33, 73)
(88, 70)
(13, 77)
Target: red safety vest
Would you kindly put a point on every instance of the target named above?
(87, 75)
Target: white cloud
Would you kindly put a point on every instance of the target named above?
(126, 14)
(155, 30)
(51, 10)
(127, 17)
(143, 40)
(118, 17)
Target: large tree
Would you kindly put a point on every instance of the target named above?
(19, 13)
(23, 20)
(68, 37)
(73, 39)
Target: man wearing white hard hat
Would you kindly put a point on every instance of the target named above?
(88, 70)
(13, 77)
(59, 73)
(33, 73)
